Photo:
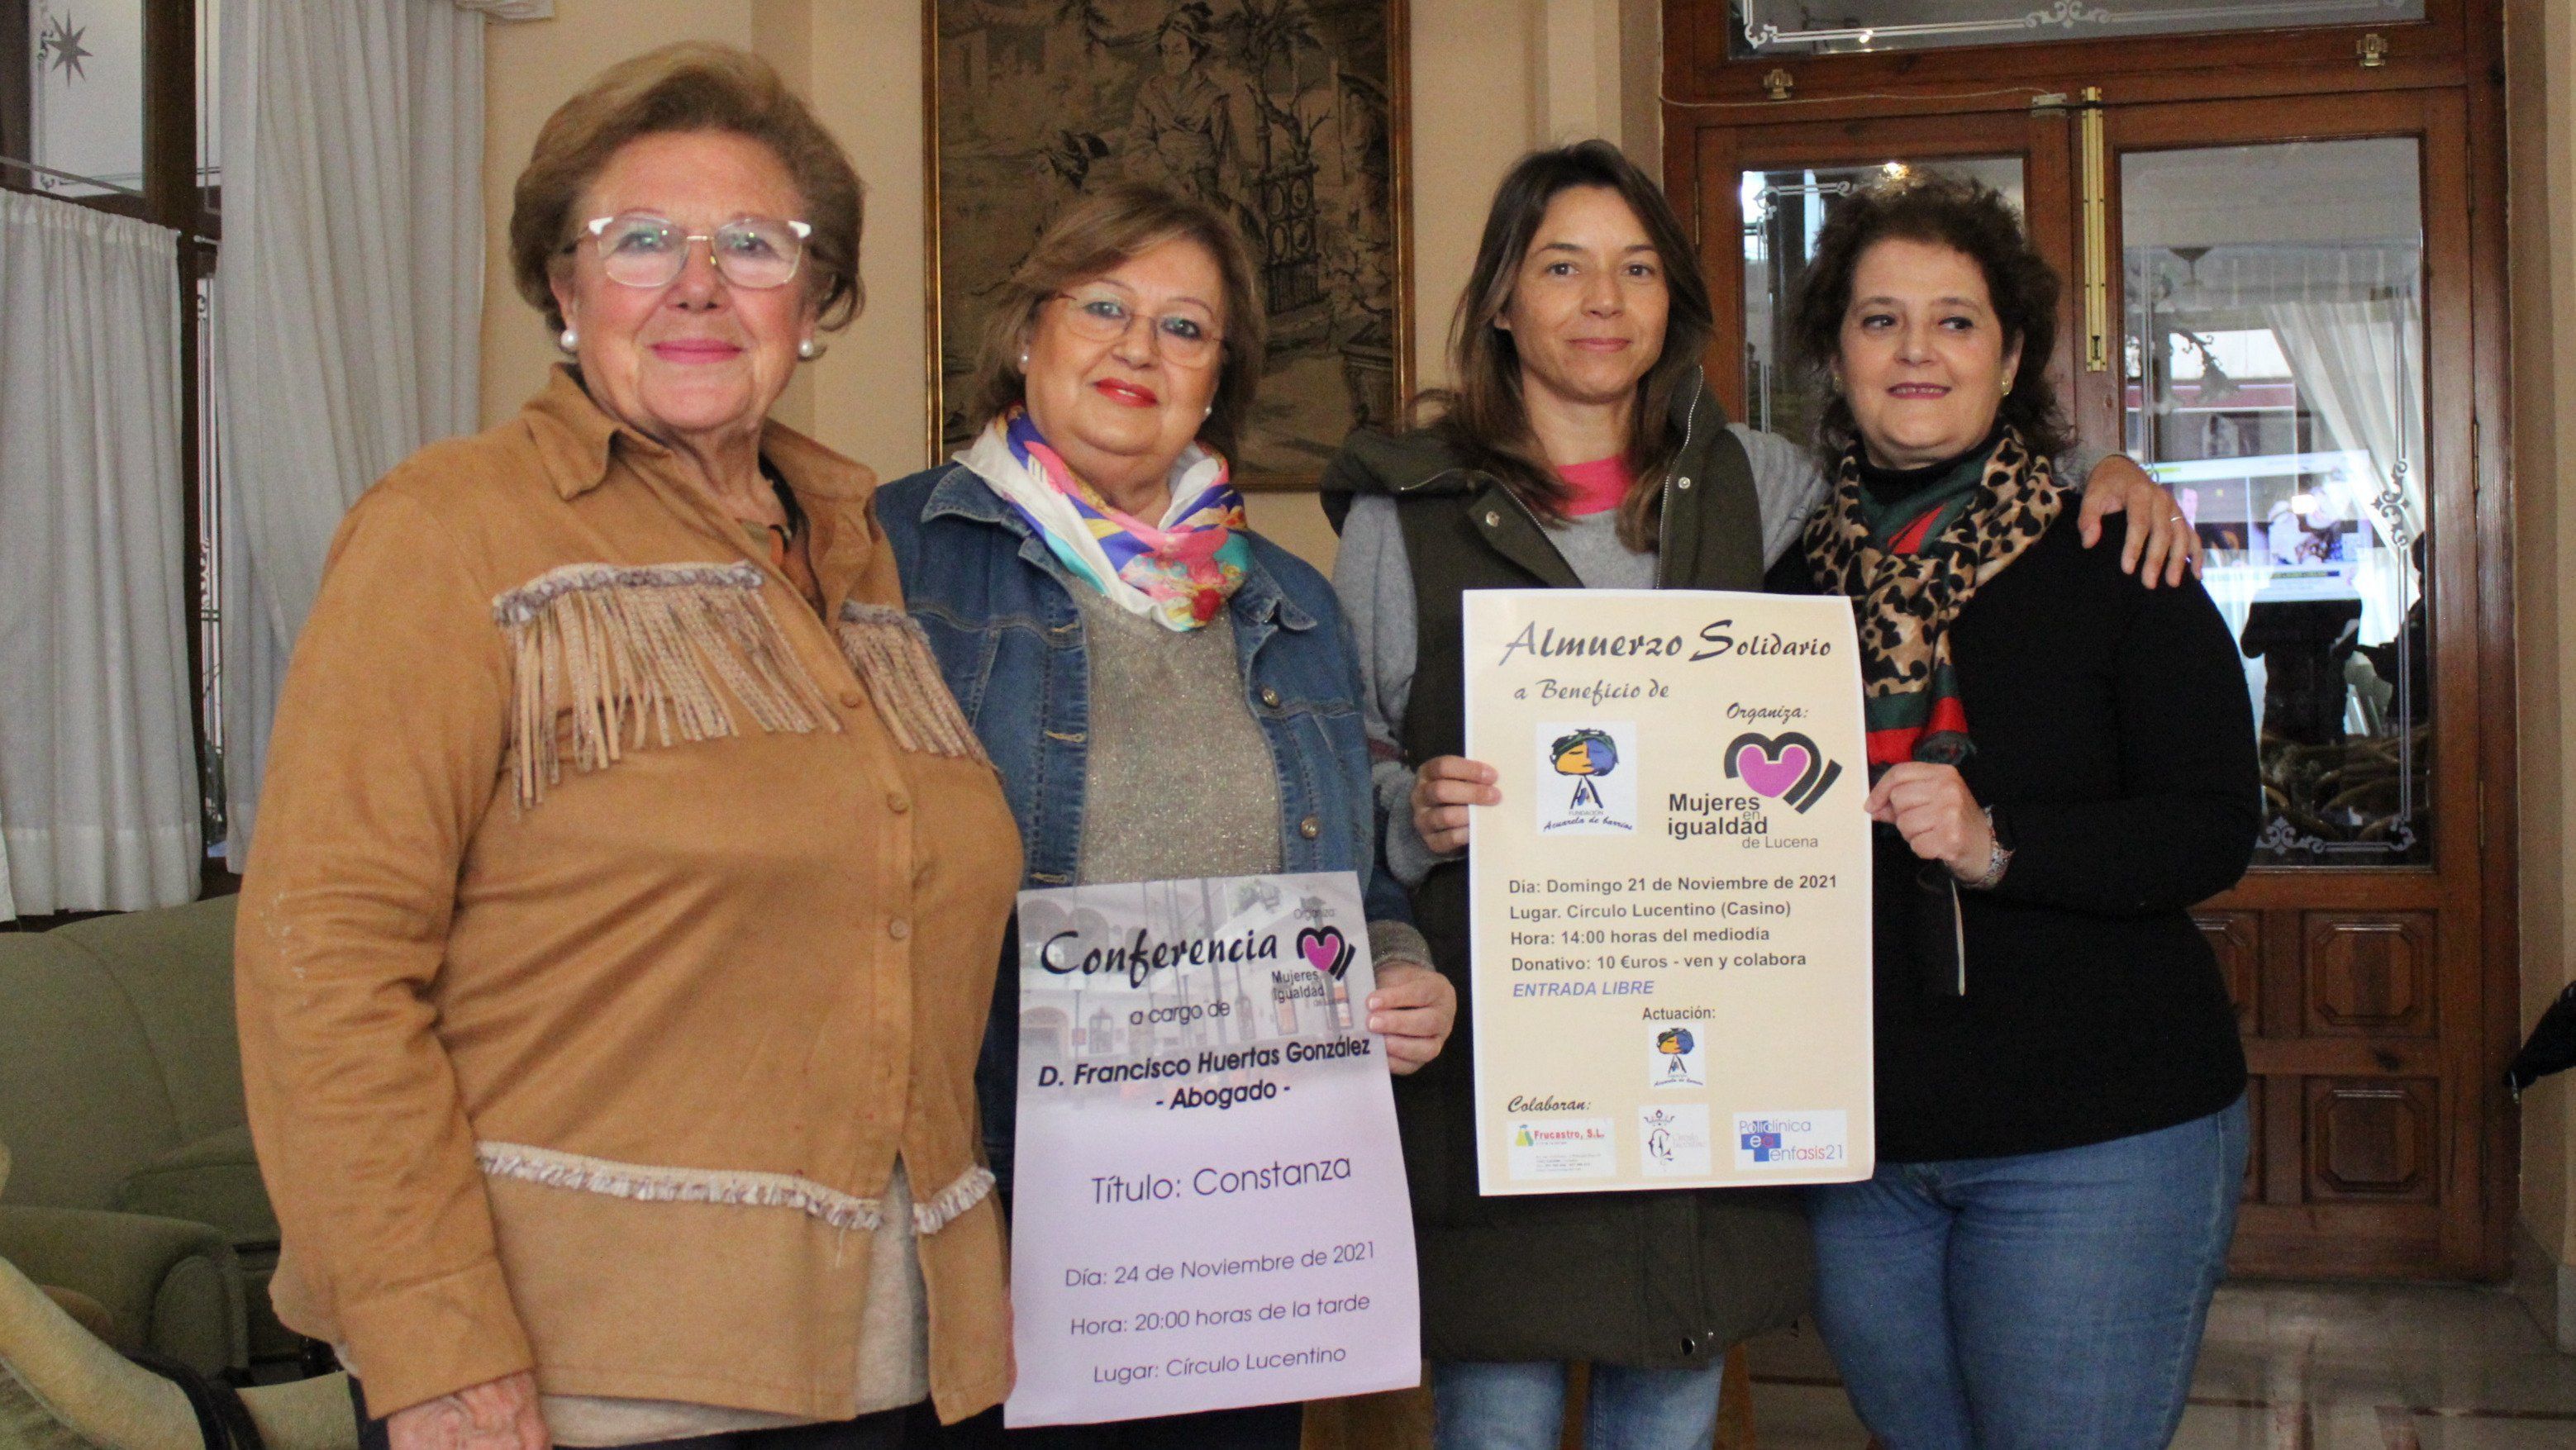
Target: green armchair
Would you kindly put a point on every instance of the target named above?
(61, 1389)
(121, 1104)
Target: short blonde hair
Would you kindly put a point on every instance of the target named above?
(691, 86)
(1116, 224)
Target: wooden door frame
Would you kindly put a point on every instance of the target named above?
(2449, 86)
(2499, 792)
(2448, 47)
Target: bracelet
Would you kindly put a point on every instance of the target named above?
(1997, 859)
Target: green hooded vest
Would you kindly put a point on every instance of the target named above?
(1662, 1279)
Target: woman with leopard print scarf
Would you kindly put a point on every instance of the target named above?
(2063, 763)
(1580, 448)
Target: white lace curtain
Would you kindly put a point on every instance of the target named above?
(2356, 354)
(348, 300)
(2358, 366)
(99, 804)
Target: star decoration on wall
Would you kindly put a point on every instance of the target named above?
(60, 47)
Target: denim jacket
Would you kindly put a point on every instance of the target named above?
(996, 605)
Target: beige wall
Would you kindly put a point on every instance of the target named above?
(1490, 79)
(2541, 86)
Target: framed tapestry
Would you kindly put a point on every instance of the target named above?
(1286, 115)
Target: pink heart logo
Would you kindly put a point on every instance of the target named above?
(1790, 769)
(1325, 950)
(1769, 774)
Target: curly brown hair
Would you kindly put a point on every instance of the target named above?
(691, 86)
(1969, 218)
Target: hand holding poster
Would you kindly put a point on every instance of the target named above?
(1671, 907)
(1209, 1207)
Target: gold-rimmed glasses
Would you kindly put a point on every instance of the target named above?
(1186, 335)
(639, 249)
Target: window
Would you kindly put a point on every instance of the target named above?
(85, 108)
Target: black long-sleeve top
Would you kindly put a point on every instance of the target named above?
(2114, 741)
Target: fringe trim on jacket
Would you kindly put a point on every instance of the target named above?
(649, 1183)
(616, 646)
(892, 657)
(930, 1215)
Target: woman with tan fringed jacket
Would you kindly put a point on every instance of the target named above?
(616, 947)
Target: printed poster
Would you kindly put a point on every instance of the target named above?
(1671, 906)
(1209, 1206)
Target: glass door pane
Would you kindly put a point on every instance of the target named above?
(2275, 381)
(1784, 208)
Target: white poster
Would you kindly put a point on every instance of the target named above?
(1671, 908)
(1209, 1206)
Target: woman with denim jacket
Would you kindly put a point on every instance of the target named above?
(1165, 694)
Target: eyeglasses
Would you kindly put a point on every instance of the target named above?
(639, 249)
(1187, 339)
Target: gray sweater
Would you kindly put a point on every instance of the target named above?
(1375, 582)
(1143, 819)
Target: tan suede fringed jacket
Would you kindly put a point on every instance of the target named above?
(612, 925)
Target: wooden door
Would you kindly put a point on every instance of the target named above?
(2296, 303)
(2353, 947)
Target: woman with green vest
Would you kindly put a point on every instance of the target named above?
(1580, 449)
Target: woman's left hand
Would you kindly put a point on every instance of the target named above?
(1937, 814)
(1413, 1008)
(2161, 543)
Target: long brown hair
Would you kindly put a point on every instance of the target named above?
(1484, 417)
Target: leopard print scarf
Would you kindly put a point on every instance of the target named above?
(1906, 601)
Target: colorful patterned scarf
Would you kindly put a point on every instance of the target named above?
(1179, 574)
(1910, 570)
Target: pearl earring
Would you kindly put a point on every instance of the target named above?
(807, 350)
(569, 341)
(1024, 359)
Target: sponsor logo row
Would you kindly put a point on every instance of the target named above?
(1673, 1141)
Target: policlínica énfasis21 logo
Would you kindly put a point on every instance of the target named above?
(1595, 768)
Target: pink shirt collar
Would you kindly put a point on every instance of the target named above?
(1599, 486)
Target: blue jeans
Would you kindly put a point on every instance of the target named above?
(1521, 1406)
(2041, 1301)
